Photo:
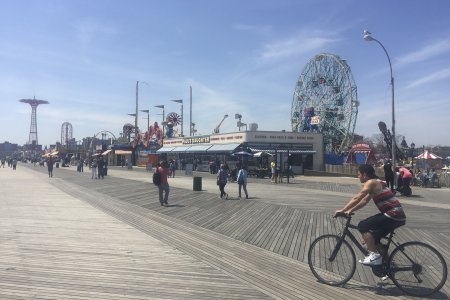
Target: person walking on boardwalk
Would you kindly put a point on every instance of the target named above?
(81, 165)
(222, 178)
(272, 169)
(14, 163)
(100, 166)
(389, 174)
(242, 181)
(163, 187)
(94, 168)
(50, 166)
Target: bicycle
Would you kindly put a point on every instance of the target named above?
(416, 268)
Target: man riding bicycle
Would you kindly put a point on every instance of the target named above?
(375, 227)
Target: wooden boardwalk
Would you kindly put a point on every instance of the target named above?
(262, 244)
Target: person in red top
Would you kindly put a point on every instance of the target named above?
(163, 187)
(404, 180)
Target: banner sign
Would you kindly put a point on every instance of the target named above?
(196, 140)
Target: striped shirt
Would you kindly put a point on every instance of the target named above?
(388, 204)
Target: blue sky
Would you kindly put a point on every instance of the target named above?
(85, 57)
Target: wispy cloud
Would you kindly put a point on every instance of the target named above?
(263, 29)
(425, 53)
(87, 31)
(442, 74)
(296, 45)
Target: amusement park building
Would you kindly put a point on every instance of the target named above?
(299, 150)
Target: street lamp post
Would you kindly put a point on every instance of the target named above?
(239, 123)
(368, 37)
(164, 116)
(412, 155)
(136, 113)
(182, 118)
(135, 128)
(148, 117)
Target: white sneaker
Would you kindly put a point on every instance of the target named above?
(373, 259)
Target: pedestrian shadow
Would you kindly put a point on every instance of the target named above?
(238, 199)
(175, 205)
(415, 196)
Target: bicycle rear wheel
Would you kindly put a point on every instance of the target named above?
(417, 269)
(340, 269)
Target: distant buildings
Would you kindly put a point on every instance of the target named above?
(7, 149)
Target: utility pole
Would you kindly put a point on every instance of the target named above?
(136, 115)
(190, 111)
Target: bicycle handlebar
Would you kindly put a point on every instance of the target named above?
(343, 215)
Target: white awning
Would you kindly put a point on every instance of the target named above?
(223, 148)
(181, 148)
(164, 149)
(199, 148)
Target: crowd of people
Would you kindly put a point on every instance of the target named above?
(11, 161)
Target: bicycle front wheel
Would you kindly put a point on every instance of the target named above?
(328, 270)
(417, 269)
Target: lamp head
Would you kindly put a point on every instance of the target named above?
(159, 106)
(133, 115)
(225, 116)
(145, 110)
(178, 100)
(367, 36)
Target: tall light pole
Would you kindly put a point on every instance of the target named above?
(135, 128)
(368, 37)
(136, 114)
(412, 155)
(182, 118)
(191, 125)
(148, 117)
(164, 116)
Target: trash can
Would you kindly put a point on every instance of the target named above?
(197, 183)
(57, 165)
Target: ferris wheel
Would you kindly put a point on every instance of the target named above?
(173, 118)
(325, 100)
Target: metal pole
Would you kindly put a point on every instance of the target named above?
(182, 118)
(393, 146)
(190, 111)
(136, 116)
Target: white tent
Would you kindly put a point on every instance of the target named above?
(428, 155)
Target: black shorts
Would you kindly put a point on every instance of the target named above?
(379, 225)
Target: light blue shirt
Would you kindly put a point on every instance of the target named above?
(242, 174)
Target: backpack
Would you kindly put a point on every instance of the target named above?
(156, 178)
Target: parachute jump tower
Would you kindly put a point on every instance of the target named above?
(33, 138)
